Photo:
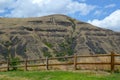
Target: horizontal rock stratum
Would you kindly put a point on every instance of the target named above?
(53, 36)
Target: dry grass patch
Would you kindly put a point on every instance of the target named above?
(6, 77)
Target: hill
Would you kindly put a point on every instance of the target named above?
(54, 35)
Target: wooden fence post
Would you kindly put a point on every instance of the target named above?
(75, 61)
(47, 63)
(8, 64)
(112, 62)
(25, 64)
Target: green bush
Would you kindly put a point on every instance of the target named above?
(66, 48)
(47, 54)
(49, 44)
(14, 62)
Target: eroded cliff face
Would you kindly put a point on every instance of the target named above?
(54, 35)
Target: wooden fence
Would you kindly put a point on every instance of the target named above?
(112, 63)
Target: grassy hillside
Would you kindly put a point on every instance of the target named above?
(57, 75)
(53, 36)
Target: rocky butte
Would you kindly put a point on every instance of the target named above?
(54, 36)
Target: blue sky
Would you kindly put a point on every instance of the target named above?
(102, 13)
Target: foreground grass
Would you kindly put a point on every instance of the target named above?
(56, 75)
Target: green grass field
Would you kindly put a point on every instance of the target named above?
(57, 75)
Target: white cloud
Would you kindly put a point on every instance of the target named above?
(110, 22)
(98, 12)
(31, 8)
(83, 8)
(5, 4)
(2, 11)
(110, 6)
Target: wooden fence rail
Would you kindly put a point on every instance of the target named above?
(75, 62)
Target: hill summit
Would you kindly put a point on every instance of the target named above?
(53, 36)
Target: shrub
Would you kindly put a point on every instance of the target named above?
(46, 52)
(49, 44)
(14, 62)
